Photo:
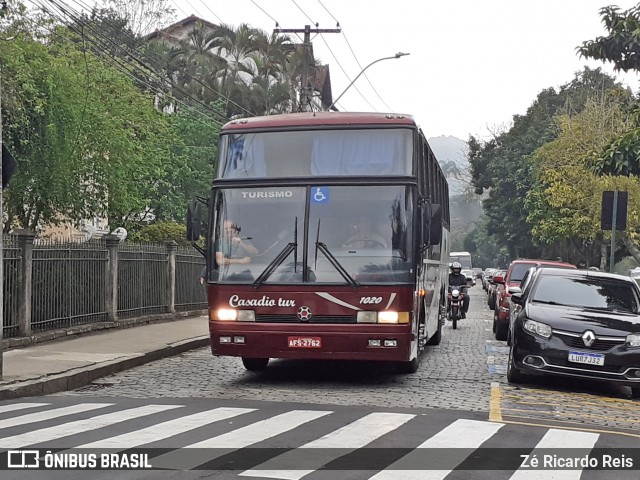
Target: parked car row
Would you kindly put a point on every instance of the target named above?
(559, 320)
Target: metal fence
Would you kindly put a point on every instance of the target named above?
(190, 294)
(142, 280)
(72, 283)
(12, 264)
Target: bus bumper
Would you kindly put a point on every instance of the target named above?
(352, 342)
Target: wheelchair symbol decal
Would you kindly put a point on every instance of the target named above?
(320, 195)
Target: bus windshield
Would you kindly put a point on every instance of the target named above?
(464, 258)
(265, 234)
(313, 153)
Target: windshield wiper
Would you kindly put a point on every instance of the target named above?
(551, 302)
(280, 258)
(336, 264)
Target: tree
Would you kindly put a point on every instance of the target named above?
(622, 43)
(88, 142)
(503, 164)
(564, 205)
(620, 47)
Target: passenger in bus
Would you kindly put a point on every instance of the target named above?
(231, 248)
(365, 237)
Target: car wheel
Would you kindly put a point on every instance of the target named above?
(255, 364)
(514, 374)
(501, 329)
(635, 392)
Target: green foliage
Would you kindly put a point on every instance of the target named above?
(161, 232)
(566, 199)
(620, 47)
(504, 166)
(622, 43)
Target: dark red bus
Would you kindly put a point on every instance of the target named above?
(327, 238)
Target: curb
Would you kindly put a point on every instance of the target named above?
(79, 377)
(69, 333)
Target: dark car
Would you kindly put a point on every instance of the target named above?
(576, 323)
(515, 273)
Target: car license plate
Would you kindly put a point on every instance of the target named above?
(305, 342)
(587, 358)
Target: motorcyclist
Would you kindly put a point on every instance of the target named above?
(457, 279)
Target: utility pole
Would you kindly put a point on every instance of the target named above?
(305, 96)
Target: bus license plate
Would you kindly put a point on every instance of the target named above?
(305, 342)
(587, 358)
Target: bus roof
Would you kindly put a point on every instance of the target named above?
(306, 119)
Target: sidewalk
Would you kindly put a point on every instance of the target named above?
(57, 366)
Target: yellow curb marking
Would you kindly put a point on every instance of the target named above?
(579, 415)
(594, 430)
(495, 410)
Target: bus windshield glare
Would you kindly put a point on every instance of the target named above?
(313, 153)
(261, 235)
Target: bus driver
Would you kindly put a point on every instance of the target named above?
(365, 237)
(231, 249)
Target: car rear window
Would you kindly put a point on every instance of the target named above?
(599, 293)
(518, 270)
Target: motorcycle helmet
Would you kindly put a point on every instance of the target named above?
(456, 268)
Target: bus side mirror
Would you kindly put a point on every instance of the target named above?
(433, 225)
(194, 221)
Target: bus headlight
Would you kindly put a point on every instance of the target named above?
(232, 315)
(386, 316)
(389, 316)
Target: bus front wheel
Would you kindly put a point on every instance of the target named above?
(410, 366)
(255, 364)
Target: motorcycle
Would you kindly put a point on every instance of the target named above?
(455, 305)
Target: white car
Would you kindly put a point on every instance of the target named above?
(471, 277)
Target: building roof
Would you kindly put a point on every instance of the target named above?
(167, 31)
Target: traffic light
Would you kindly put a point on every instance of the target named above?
(9, 166)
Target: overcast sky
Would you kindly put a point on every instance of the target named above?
(473, 64)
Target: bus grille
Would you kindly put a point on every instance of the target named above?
(314, 319)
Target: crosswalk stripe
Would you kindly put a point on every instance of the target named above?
(66, 429)
(462, 435)
(554, 439)
(167, 429)
(343, 441)
(236, 439)
(50, 414)
(20, 406)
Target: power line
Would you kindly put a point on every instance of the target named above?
(305, 13)
(129, 69)
(212, 12)
(265, 12)
(195, 79)
(346, 74)
(125, 70)
(354, 55)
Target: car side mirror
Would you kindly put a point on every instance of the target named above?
(498, 279)
(516, 295)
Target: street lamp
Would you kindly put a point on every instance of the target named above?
(397, 55)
